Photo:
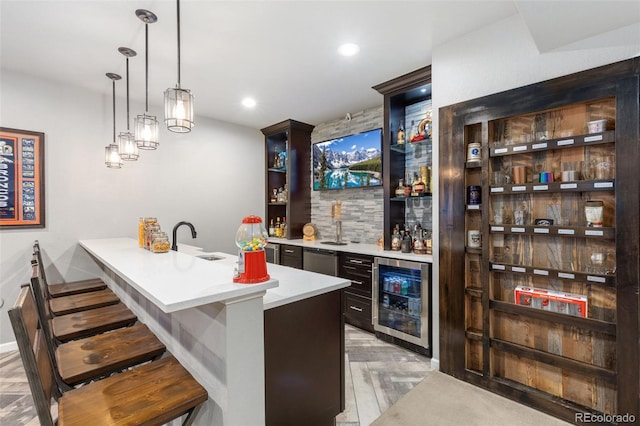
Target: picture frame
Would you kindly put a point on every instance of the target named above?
(22, 189)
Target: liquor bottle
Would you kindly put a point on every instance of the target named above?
(396, 239)
(400, 188)
(401, 136)
(272, 229)
(278, 227)
(418, 186)
(407, 187)
(284, 227)
(405, 244)
(141, 232)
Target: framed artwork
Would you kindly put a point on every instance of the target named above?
(21, 179)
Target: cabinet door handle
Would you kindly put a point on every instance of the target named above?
(355, 308)
(288, 251)
(357, 282)
(349, 267)
(359, 262)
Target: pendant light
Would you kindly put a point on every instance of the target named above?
(111, 156)
(127, 147)
(146, 127)
(178, 102)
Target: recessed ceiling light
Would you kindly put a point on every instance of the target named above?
(249, 102)
(348, 49)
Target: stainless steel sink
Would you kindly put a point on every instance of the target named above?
(210, 257)
(333, 243)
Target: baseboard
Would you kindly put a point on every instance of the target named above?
(435, 364)
(8, 347)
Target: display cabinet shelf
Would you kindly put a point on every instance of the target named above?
(574, 186)
(546, 311)
(554, 273)
(596, 326)
(555, 230)
(561, 143)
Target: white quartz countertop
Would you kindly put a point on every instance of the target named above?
(174, 280)
(359, 248)
(181, 280)
(293, 284)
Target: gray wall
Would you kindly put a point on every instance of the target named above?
(193, 177)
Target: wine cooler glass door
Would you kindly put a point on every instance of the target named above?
(401, 306)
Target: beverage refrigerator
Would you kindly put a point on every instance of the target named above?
(401, 303)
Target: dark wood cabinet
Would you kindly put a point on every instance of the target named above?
(407, 103)
(357, 297)
(287, 165)
(545, 309)
(291, 256)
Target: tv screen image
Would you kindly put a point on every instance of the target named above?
(353, 161)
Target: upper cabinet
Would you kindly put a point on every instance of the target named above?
(288, 177)
(539, 227)
(407, 152)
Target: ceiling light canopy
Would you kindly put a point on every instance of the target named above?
(348, 49)
(178, 102)
(146, 126)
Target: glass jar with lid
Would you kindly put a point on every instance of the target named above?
(160, 242)
(148, 234)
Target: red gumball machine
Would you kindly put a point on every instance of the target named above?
(251, 239)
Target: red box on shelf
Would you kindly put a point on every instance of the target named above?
(552, 300)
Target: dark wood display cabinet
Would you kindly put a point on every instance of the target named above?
(542, 306)
(357, 297)
(407, 104)
(287, 161)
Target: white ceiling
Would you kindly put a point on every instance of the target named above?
(282, 53)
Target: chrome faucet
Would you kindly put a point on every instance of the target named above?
(174, 246)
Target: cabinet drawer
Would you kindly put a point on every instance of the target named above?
(357, 268)
(291, 256)
(357, 310)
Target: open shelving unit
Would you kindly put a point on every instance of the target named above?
(546, 310)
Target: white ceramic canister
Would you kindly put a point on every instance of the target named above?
(474, 152)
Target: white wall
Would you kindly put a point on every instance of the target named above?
(503, 56)
(212, 177)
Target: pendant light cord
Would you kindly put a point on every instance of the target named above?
(113, 83)
(146, 65)
(178, 14)
(127, 93)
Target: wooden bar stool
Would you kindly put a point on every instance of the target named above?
(63, 305)
(95, 357)
(67, 288)
(81, 324)
(151, 394)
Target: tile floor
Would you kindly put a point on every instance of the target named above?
(377, 375)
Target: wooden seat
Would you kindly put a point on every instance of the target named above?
(151, 394)
(64, 305)
(80, 324)
(91, 358)
(82, 302)
(67, 288)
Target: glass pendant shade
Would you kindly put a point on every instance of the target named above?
(146, 131)
(111, 157)
(178, 110)
(127, 147)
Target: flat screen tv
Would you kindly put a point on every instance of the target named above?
(353, 161)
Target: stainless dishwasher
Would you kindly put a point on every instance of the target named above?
(321, 261)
